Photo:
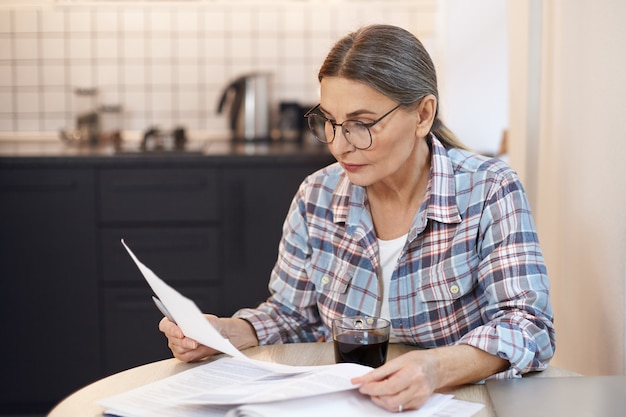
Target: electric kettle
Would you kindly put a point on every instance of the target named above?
(248, 99)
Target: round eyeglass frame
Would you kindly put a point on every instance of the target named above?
(311, 114)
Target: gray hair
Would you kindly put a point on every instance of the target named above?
(392, 61)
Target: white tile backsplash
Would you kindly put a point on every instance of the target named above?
(187, 47)
(28, 102)
(107, 48)
(26, 75)
(106, 21)
(215, 21)
(79, 21)
(168, 63)
(79, 47)
(6, 78)
(6, 25)
(25, 21)
(161, 47)
(107, 76)
(80, 75)
(52, 48)
(6, 49)
(135, 74)
(54, 102)
(134, 48)
(26, 48)
(160, 21)
(6, 102)
(187, 75)
(160, 74)
(53, 74)
(187, 21)
(269, 22)
(52, 21)
(133, 20)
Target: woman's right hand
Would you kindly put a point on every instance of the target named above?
(240, 333)
(185, 348)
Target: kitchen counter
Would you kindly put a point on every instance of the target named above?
(55, 152)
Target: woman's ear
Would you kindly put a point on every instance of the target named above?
(425, 112)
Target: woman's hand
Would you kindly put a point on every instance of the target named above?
(404, 383)
(240, 333)
(185, 348)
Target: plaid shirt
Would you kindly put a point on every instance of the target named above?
(471, 271)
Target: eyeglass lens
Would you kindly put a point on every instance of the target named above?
(354, 131)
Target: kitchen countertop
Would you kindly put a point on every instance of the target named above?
(197, 152)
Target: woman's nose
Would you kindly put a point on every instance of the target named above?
(341, 144)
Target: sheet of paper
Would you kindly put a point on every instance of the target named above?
(219, 385)
(268, 386)
(458, 408)
(346, 403)
(185, 312)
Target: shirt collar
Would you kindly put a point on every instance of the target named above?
(441, 192)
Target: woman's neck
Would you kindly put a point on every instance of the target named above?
(394, 201)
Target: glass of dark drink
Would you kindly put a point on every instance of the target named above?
(361, 339)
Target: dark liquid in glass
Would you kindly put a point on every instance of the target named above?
(367, 348)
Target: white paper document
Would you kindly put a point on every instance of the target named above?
(230, 387)
(226, 382)
(344, 404)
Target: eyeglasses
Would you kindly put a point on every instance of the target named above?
(357, 133)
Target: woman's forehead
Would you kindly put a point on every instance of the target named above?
(347, 96)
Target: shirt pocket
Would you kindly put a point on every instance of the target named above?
(331, 274)
(447, 281)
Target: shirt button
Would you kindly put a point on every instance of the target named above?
(325, 280)
(454, 289)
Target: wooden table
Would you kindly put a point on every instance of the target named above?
(83, 402)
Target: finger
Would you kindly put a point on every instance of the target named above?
(185, 343)
(407, 400)
(379, 374)
(385, 387)
(195, 354)
(170, 329)
(388, 404)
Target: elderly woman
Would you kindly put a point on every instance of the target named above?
(407, 225)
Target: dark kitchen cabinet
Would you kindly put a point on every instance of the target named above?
(49, 309)
(256, 201)
(169, 218)
(75, 306)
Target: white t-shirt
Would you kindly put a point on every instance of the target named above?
(389, 252)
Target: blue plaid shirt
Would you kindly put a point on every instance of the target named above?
(471, 271)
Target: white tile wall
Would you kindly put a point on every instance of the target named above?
(167, 63)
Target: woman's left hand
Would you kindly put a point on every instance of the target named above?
(404, 383)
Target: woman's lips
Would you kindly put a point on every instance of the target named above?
(351, 167)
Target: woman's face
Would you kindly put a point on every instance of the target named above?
(394, 139)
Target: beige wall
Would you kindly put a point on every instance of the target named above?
(568, 141)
